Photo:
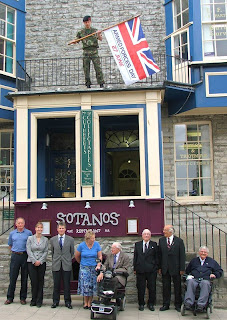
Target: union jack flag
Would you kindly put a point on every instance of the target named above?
(131, 51)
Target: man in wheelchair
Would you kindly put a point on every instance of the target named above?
(200, 271)
(118, 263)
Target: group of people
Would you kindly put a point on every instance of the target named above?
(29, 254)
(168, 259)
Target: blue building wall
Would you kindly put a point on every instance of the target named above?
(207, 91)
(6, 81)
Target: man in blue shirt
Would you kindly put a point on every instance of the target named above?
(17, 244)
(201, 270)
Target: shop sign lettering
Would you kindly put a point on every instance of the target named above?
(84, 220)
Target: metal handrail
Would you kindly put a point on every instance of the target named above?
(7, 222)
(57, 73)
(197, 231)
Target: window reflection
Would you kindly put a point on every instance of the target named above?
(193, 160)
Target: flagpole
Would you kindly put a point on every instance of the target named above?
(114, 25)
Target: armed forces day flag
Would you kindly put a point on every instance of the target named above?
(131, 51)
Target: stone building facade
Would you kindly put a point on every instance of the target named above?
(50, 25)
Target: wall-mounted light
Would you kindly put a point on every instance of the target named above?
(131, 204)
(87, 205)
(44, 206)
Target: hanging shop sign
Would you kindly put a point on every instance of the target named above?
(86, 148)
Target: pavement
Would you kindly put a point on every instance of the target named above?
(16, 311)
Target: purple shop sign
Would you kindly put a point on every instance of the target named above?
(107, 218)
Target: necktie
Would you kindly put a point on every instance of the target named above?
(115, 261)
(168, 243)
(60, 242)
(146, 247)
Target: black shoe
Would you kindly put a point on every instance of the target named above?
(68, 305)
(188, 307)
(178, 308)
(101, 85)
(164, 308)
(54, 305)
(85, 307)
(141, 307)
(32, 304)
(150, 307)
(88, 86)
(200, 308)
(38, 305)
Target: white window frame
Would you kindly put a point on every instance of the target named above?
(176, 15)
(13, 41)
(180, 70)
(11, 165)
(195, 198)
(213, 24)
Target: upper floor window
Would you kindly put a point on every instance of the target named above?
(7, 39)
(181, 16)
(180, 46)
(193, 160)
(214, 26)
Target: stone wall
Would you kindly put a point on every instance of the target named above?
(213, 211)
(50, 24)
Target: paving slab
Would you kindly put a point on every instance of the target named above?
(16, 311)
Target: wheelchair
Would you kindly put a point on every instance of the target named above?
(110, 298)
(209, 306)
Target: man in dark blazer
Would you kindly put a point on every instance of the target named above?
(145, 264)
(62, 249)
(171, 265)
(117, 261)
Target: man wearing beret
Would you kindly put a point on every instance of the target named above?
(90, 51)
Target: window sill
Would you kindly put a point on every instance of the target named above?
(189, 202)
(6, 74)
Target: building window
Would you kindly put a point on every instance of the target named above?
(6, 162)
(180, 57)
(180, 46)
(193, 160)
(181, 16)
(214, 27)
(120, 161)
(7, 39)
(56, 158)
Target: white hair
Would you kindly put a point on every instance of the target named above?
(117, 245)
(204, 248)
(146, 230)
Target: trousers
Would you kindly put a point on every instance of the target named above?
(36, 275)
(166, 287)
(146, 279)
(93, 56)
(18, 263)
(57, 277)
(205, 289)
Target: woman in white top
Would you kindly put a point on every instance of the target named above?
(37, 249)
